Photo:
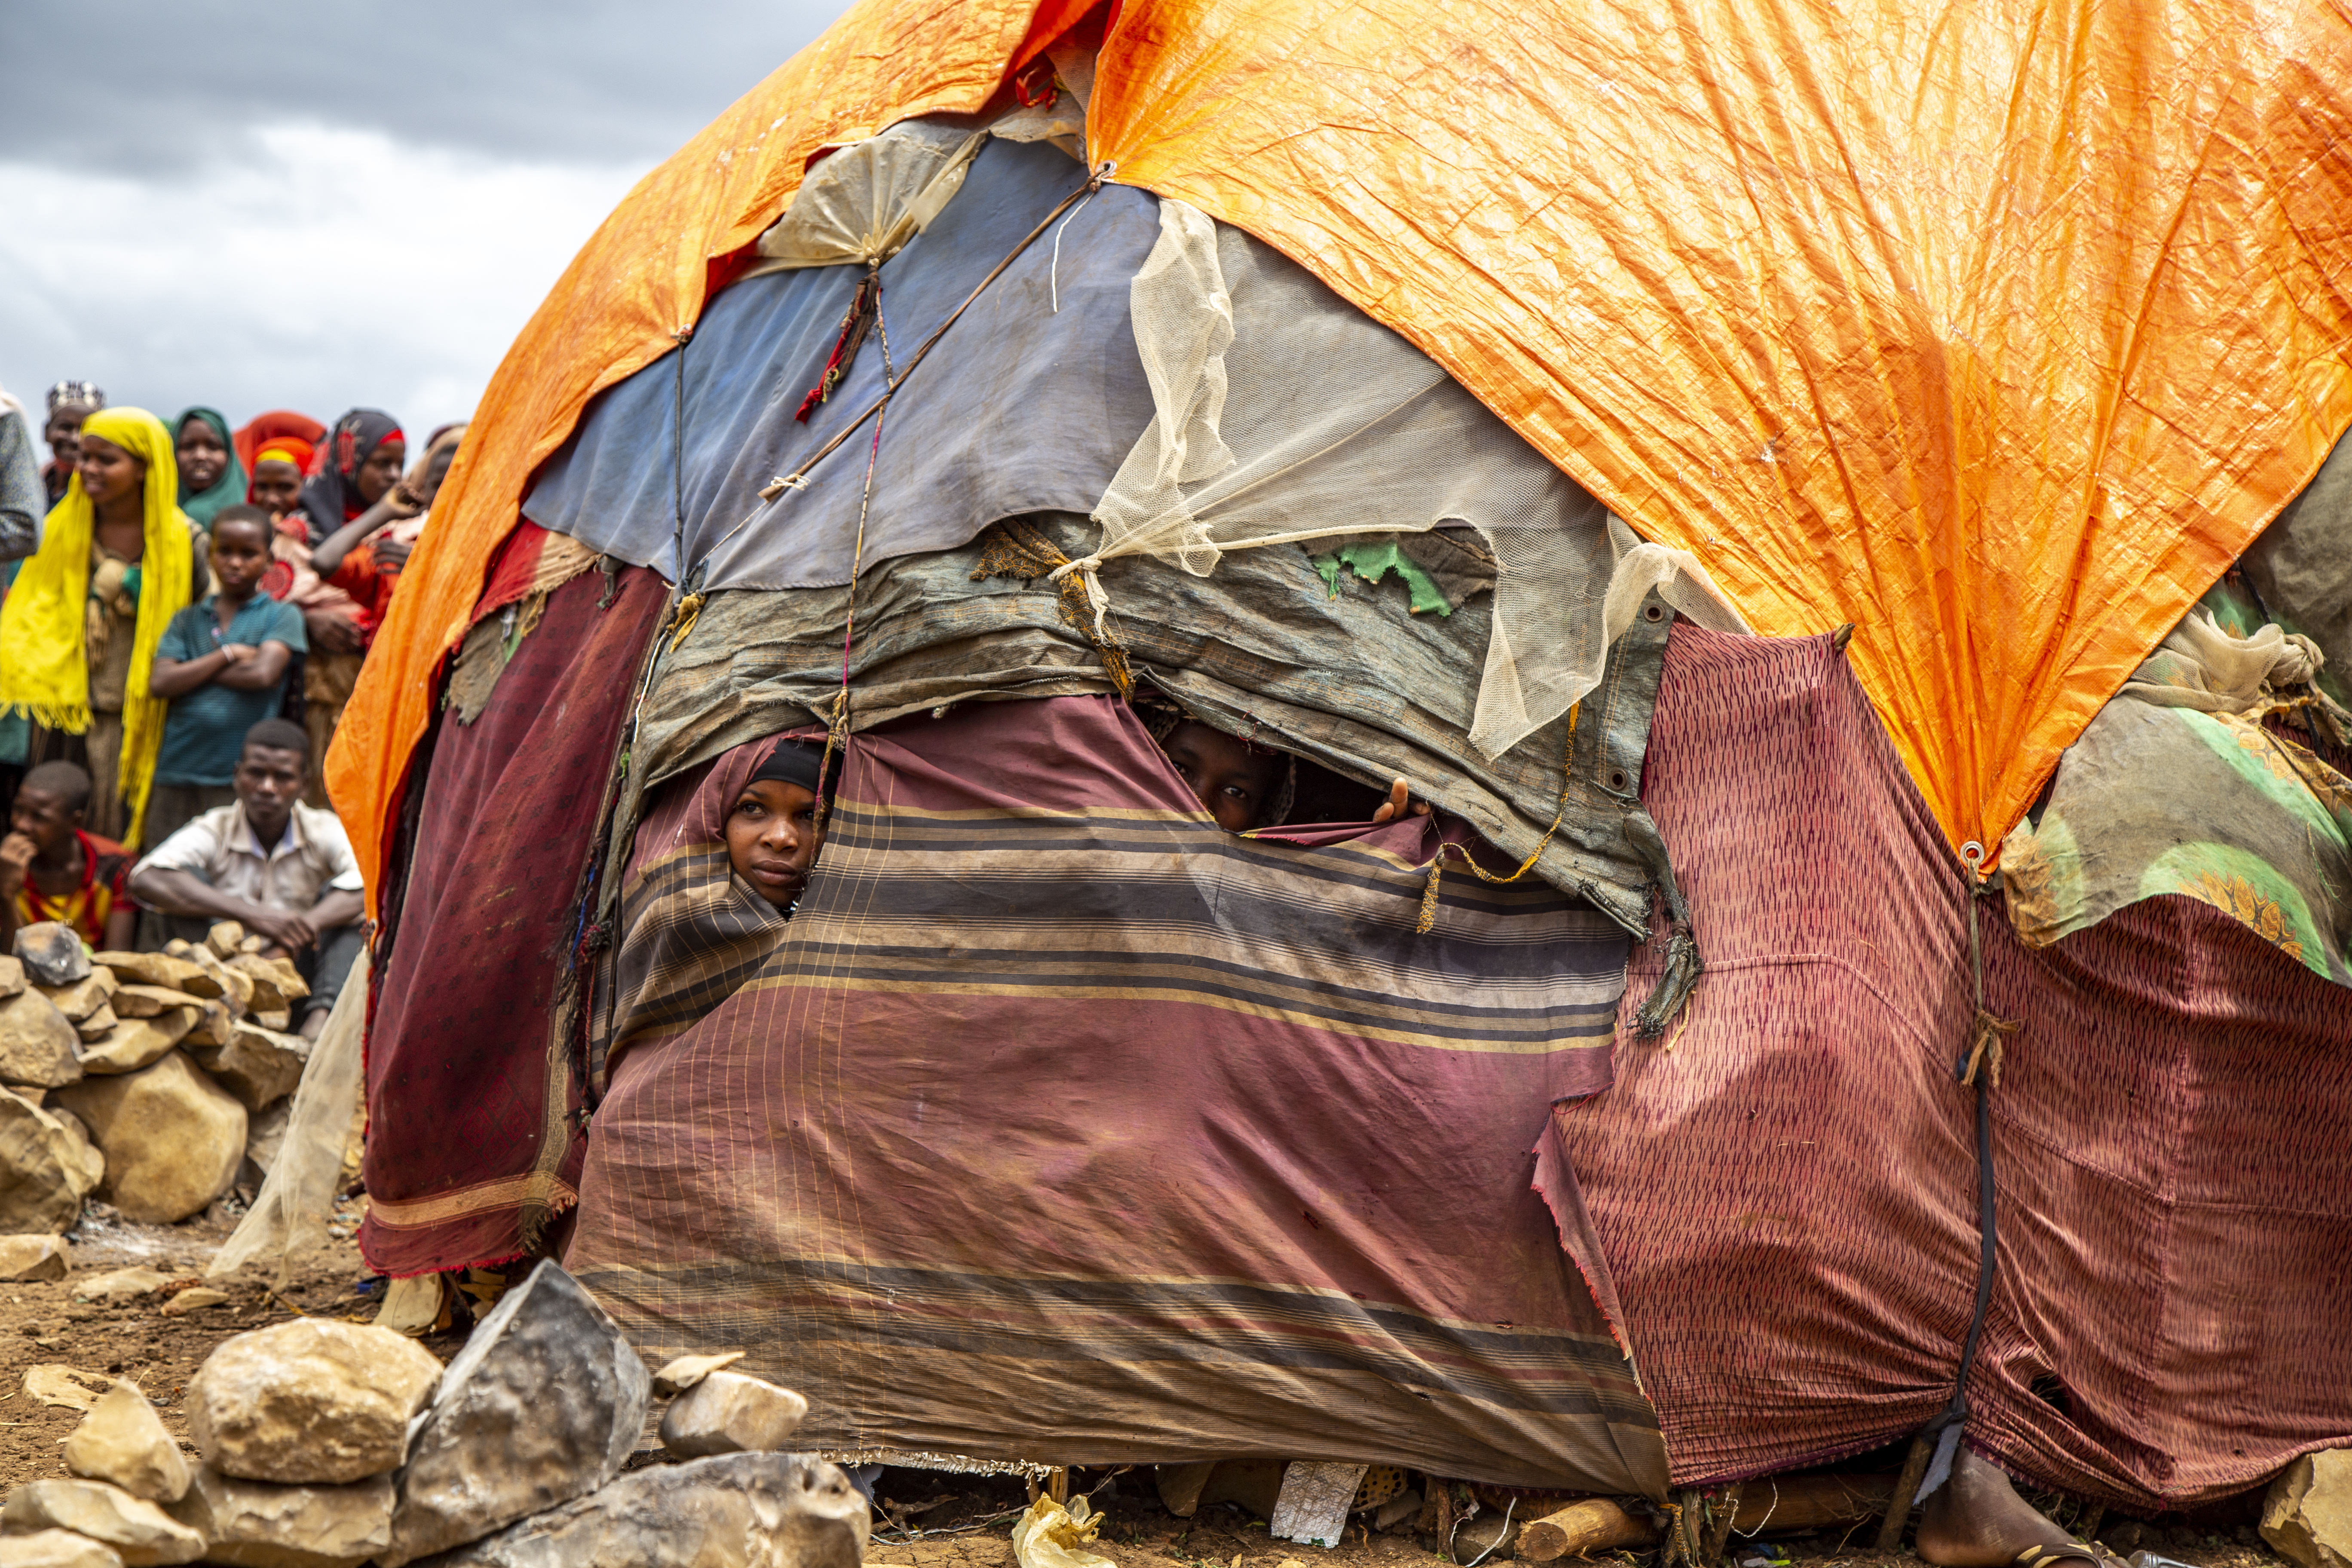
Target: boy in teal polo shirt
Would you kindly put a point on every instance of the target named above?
(222, 663)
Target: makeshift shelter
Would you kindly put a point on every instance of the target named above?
(1427, 433)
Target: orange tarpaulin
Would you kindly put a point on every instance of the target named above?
(1997, 330)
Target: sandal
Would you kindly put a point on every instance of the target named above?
(2092, 1553)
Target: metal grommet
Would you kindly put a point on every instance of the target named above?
(1654, 611)
(1617, 778)
(1974, 854)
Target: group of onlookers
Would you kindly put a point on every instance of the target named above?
(184, 613)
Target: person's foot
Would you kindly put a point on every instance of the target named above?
(1975, 1520)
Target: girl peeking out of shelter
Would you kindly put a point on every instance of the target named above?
(772, 831)
(1243, 784)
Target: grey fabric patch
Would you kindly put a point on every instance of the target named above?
(1259, 648)
(1021, 407)
(2302, 567)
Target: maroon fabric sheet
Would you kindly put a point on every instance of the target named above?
(1783, 1188)
(468, 1099)
(1059, 1124)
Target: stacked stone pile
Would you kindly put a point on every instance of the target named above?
(326, 1444)
(145, 1078)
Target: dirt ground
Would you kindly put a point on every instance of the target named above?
(929, 1518)
(1138, 1532)
(42, 1323)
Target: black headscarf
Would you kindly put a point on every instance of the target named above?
(331, 495)
(796, 762)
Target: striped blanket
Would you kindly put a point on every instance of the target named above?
(1060, 1125)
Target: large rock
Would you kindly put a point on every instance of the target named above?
(214, 1025)
(82, 1151)
(51, 953)
(256, 1525)
(12, 974)
(307, 1403)
(774, 1510)
(2308, 1514)
(120, 1284)
(172, 1138)
(259, 1065)
(34, 1258)
(97, 1025)
(81, 999)
(39, 1044)
(159, 968)
(122, 1440)
(730, 1413)
(55, 1549)
(236, 986)
(544, 1404)
(44, 1174)
(147, 1001)
(265, 1137)
(225, 938)
(276, 983)
(141, 1533)
(135, 1043)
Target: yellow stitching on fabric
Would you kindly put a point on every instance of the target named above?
(1429, 893)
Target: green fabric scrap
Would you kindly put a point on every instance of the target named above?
(1373, 560)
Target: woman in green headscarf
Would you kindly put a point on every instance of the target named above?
(210, 476)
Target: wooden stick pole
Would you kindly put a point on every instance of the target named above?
(1898, 1507)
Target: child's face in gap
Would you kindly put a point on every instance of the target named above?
(771, 838)
(240, 555)
(1231, 780)
(277, 486)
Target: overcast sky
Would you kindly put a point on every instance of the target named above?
(257, 206)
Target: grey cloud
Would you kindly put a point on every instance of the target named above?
(135, 287)
(157, 89)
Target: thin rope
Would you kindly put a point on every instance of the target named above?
(1499, 1536)
(837, 734)
(684, 335)
(798, 478)
(1436, 866)
(1053, 273)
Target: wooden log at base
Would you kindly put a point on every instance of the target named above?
(1772, 1505)
(1596, 1524)
(1790, 1505)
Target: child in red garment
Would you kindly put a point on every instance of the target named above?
(342, 560)
(51, 869)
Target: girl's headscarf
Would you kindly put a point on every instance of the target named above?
(226, 491)
(280, 449)
(277, 422)
(44, 670)
(331, 496)
(444, 437)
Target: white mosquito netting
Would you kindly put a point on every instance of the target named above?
(1283, 415)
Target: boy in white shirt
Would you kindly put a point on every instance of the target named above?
(281, 869)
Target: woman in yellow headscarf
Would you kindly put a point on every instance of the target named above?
(78, 631)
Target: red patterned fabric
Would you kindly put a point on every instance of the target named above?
(1784, 1187)
(467, 1097)
(512, 570)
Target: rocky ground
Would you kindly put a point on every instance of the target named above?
(930, 1519)
(41, 1324)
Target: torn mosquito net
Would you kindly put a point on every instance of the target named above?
(1283, 415)
(866, 201)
